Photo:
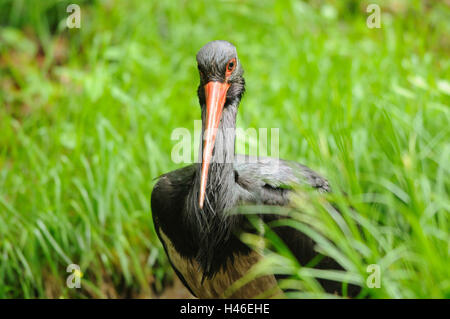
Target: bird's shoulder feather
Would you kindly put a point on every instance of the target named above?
(269, 180)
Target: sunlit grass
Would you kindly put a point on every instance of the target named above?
(86, 117)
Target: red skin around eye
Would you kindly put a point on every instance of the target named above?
(228, 72)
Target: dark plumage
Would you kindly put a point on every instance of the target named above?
(197, 230)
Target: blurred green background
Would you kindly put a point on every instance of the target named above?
(86, 116)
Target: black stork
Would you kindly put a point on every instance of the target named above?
(191, 206)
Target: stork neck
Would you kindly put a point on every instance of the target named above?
(220, 182)
(211, 227)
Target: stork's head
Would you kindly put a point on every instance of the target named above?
(221, 86)
(220, 71)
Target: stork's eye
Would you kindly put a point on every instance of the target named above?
(231, 65)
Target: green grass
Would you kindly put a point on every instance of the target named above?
(86, 116)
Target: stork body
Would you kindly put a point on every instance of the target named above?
(191, 206)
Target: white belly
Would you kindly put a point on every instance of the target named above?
(220, 285)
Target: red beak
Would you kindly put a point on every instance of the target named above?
(216, 94)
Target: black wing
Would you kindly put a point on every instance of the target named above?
(269, 181)
(167, 200)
